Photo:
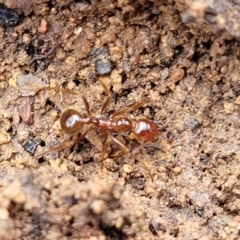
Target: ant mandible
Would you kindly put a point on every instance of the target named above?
(71, 121)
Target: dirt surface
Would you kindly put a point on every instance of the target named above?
(184, 186)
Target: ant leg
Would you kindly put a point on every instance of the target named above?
(140, 147)
(145, 167)
(129, 109)
(62, 90)
(105, 149)
(74, 93)
(86, 106)
(124, 151)
(106, 145)
(169, 119)
(105, 104)
(107, 91)
(107, 101)
(68, 91)
(65, 144)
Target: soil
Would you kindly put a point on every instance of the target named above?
(163, 54)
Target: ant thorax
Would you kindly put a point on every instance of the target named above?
(122, 124)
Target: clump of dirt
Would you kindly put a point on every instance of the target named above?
(63, 207)
(161, 53)
(221, 16)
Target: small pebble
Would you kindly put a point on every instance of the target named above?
(14, 192)
(4, 214)
(26, 110)
(82, 48)
(177, 75)
(43, 26)
(176, 170)
(30, 146)
(26, 38)
(22, 135)
(119, 223)
(237, 101)
(127, 168)
(108, 37)
(5, 137)
(98, 206)
(15, 116)
(193, 123)
(110, 164)
(103, 62)
(229, 107)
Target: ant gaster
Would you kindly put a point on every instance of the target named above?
(71, 121)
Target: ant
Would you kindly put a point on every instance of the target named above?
(71, 121)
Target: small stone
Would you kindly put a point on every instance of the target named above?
(177, 75)
(176, 170)
(193, 123)
(43, 26)
(82, 48)
(110, 164)
(237, 101)
(103, 62)
(78, 30)
(26, 110)
(229, 107)
(98, 206)
(5, 138)
(14, 192)
(26, 38)
(30, 146)
(108, 37)
(20, 198)
(119, 223)
(116, 81)
(127, 168)
(15, 116)
(4, 214)
(22, 135)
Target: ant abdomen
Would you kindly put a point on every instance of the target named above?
(71, 121)
(145, 130)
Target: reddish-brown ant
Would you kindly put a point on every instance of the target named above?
(71, 121)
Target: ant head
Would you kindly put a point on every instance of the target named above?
(71, 121)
